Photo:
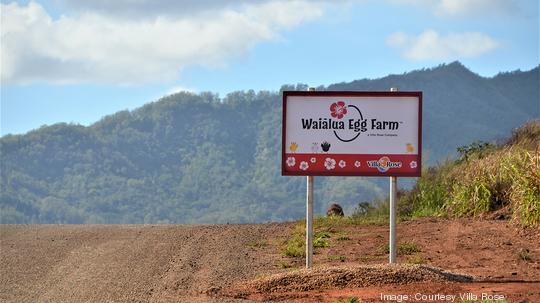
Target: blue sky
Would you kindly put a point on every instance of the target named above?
(76, 61)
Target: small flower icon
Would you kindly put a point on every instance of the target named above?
(342, 163)
(291, 161)
(338, 109)
(357, 163)
(330, 163)
(313, 160)
(413, 164)
(304, 165)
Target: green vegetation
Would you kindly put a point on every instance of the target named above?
(416, 259)
(405, 248)
(285, 265)
(337, 258)
(295, 246)
(485, 178)
(257, 244)
(349, 300)
(525, 255)
(327, 227)
(201, 158)
(320, 239)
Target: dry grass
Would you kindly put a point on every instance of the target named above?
(485, 180)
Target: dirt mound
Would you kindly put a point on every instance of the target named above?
(351, 276)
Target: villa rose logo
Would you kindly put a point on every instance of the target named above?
(384, 164)
(338, 109)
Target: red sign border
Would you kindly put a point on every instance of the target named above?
(417, 94)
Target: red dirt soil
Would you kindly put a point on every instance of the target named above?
(202, 263)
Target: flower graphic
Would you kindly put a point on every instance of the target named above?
(342, 163)
(357, 163)
(313, 160)
(338, 109)
(304, 165)
(291, 161)
(413, 164)
(315, 147)
(330, 163)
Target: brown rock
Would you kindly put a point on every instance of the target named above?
(335, 210)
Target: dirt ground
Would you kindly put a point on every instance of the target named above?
(205, 263)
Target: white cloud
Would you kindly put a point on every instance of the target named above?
(465, 8)
(149, 8)
(94, 47)
(476, 7)
(431, 45)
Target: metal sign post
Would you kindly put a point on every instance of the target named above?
(309, 222)
(309, 216)
(393, 197)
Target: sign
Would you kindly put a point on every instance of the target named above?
(329, 133)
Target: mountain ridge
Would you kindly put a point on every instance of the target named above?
(198, 158)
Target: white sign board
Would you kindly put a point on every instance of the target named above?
(352, 133)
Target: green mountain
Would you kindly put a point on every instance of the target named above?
(197, 158)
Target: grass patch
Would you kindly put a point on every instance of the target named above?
(257, 244)
(337, 258)
(285, 265)
(348, 300)
(320, 239)
(333, 223)
(325, 228)
(416, 259)
(525, 255)
(295, 246)
(483, 179)
(408, 248)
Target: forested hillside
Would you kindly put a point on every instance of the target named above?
(198, 158)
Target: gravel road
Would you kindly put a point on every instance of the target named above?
(130, 263)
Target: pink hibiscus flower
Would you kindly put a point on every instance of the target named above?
(338, 109)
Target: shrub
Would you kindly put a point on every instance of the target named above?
(484, 179)
(416, 259)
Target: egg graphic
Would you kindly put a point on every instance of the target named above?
(409, 147)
